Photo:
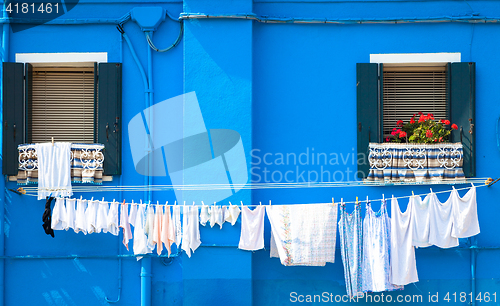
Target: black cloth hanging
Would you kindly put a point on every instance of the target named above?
(47, 218)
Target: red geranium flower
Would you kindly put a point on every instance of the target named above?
(454, 126)
(445, 122)
(440, 139)
(402, 134)
(422, 118)
(412, 120)
(428, 134)
(420, 113)
(400, 123)
(430, 116)
(387, 139)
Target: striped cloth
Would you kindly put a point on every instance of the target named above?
(86, 164)
(415, 162)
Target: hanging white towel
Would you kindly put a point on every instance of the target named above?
(204, 215)
(112, 220)
(420, 220)
(102, 217)
(304, 235)
(176, 216)
(221, 216)
(70, 214)
(191, 229)
(441, 222)
(140, 238)
(252, 229)
(185, 231)
(59, 215)
(232, 214)
(81, 220)
(465, 220)
(125, 224)
(91, 216)
(403, 264)
(54, 172)
(133, 213)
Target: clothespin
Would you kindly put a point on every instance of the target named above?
(157, 204)
(383, 198)
(175, 203)
(260, 203)
(193, 202)
(431, 189)
(366, 199)
(52, 141)
(230, 204)
(472, 185)
(92, 199)
(269, 203)
(184, 203)
(333, 203)
(204, 203)
(357, 202)
(241, 204)
(81, 197)
(102, 199)
(412, 194)
(114, 200)
(342, 202)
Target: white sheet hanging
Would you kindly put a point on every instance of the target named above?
(125, 224)
(91, 215)
(176, 216)
(140, 238)
(112, 220)
(232, 214)
(54, 172)
(70, 214)
(441, 222)
(102, 217)
(403, 264)
(80, 219)
(59, 215)
(420, 220)
(303, 235)
(167, 230)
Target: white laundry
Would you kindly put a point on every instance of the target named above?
(112, 220)
(403, 264)
(204, 215)
(59, 215)
(176, 216)
(91, 215)
(420, 220)
(81, 220)
(133, 213)
(149, 226)
(140, 238)
(441, 222)
(70, 214)
(191, 229)
(102, 217)
(214, 213)
(465, 220)
(221, 216)
(232, 214)
(54, 172)
(125, 224)
(303, 235)
(252, 229)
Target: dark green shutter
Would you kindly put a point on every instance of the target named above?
(28, 94)
(367, 124)
(462, 111)
(13, 115)
(109, 115)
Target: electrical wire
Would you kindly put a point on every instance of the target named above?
(177, 41)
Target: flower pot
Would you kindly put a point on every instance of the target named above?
(415, 162)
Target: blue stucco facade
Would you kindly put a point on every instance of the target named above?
(285, 88)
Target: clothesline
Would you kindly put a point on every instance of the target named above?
(255, 186)
(201, 203)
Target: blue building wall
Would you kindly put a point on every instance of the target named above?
(285, 88)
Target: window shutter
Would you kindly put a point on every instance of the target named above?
(109, 108)
(13, 115)
(462, 111)
(367, 113)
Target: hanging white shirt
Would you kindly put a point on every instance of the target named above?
(140, 238)
(403, 264)
(58, 215)
(102, 217)
(441, 222)
(176, 216)
(80, 219)
(252, 228)
(420, 221)
(91, 216)
(232, 214)
(125, 224)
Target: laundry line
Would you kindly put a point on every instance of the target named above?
(202, 203)
(257, 186)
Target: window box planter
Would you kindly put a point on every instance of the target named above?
(415, 162)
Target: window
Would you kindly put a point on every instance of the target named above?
(73, 102)
(386, 94)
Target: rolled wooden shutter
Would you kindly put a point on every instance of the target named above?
(367, 124)
(109, 109)
(462, 109)
(14, 116)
